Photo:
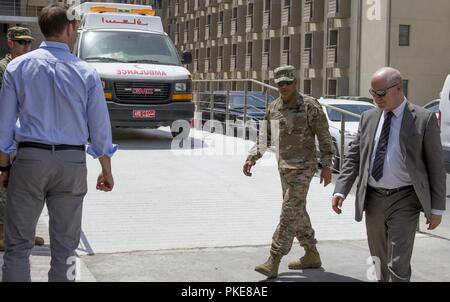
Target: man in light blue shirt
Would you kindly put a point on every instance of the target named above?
(60, 106)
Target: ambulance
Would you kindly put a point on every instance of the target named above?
(444, 120)
(145, 83)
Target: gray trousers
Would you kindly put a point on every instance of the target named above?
(2, 205)
(57, 178)
(391, 223)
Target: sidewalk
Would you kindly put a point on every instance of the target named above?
(343, 261)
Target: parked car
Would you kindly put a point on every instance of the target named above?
(433, 106)
(256, 105)
(351, 123)
(444, 121)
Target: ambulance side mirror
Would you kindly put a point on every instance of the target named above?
(186, 57)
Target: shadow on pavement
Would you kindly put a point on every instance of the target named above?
(151, 139)
(311, 275)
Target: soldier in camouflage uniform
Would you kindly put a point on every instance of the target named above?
(299, 119)
(19, 43)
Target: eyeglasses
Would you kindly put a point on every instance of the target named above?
(285, 83)
(382, 92)
(23, 42)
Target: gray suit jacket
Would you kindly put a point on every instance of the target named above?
(421, 146)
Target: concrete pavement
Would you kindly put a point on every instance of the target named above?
(184, 216)
(343, 261)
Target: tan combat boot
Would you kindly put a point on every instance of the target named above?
(2, 242)
(270, 267)
(310, 260)
(39, 241)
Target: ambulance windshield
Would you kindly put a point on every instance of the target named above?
(128, 47)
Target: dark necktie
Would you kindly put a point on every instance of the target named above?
(378, 164)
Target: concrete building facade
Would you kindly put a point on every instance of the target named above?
(336, 45)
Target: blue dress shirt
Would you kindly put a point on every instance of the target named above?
(57, 98)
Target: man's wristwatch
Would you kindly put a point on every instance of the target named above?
(5, 169)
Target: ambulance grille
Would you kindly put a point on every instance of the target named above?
(142, 92)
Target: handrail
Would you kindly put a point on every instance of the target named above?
(237, 80)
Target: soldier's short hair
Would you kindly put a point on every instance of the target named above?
(53, 19)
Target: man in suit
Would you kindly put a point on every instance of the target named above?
(397, 157)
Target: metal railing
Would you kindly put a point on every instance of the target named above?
(224, 85)
(16, 9)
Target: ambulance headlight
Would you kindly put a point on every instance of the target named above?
(180, 87)
(103, 84)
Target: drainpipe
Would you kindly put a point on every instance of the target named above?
(388, 34)
(358, 44)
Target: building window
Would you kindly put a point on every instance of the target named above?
(249, 54)
(333, 40)
(307, 87)
(403, 39)
(287, 7)
(186, 30)
(267, 5)
(405, 84)
(267, 46)
(234, 13)
(308, 41)
(250, 9)
(332, 88)
(286, 43)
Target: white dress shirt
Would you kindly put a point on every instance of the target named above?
(395, 174)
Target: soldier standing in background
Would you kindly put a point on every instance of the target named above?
(300, 119)
(19, 43)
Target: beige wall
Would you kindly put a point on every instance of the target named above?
(354, 50)
(373, 45)
(426, 62)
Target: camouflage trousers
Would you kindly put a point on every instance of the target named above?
(2, 205)
(294, 219)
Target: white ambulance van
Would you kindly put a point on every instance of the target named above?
(444, 108)
(145, 83)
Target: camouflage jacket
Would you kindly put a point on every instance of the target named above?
(292, 127)
(3, 63)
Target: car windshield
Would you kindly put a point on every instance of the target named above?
(129, 47)
(335, 116)
(433, 107)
